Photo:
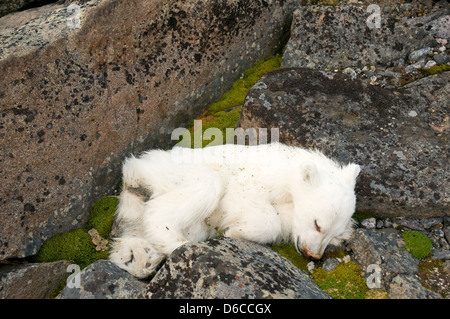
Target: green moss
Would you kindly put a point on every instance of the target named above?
(238, 91)
(445, 67)
(359, 216)
(75, 246)
(288, 251)
(435, 69)
(418, 244)
(225, 113)
(102, 215)
(344, 282)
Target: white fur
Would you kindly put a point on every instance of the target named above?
(264, 193)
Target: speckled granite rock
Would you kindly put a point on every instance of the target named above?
(229, 268)
(31, 281)
(385, 248)
(398, 136)
(344, 36)
(104, 280)
(74, 102)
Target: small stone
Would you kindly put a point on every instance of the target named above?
(350, 72)
(388, 223)
(441, 58)
(330, 264)
(369, 223)
(414, 67)
(380, 224)
(429, 64)
(310, 266)
(412, 113)
(417, 55)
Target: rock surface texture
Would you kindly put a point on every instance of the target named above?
(103, 280)
(82, 89)
(391, 133)
(32, 281)
(217, 269)
(347, 36)
(230, 269)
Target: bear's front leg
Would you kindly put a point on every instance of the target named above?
(135, 255)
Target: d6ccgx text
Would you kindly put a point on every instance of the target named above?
(246, 308)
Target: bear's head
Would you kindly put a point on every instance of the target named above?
(323, 206)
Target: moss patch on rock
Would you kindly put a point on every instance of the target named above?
(344, 282)
(418, 244)
(288, 251)
(435, 69)
(102, 215)
(225, 113)
(77, 246)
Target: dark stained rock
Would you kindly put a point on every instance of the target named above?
(230, 268)
(32, 281)
(398, 136)
(75, 101)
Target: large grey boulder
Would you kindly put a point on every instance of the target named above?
(398, 136)
(81, 89)
(229, 268)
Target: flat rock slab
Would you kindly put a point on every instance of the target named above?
(398, 136)
(229, 268)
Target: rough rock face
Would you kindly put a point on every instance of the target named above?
(75, 101)
(347, 36)
(104, 280)
(386, 248)
(230, 268)
(398, 136)
(32, 281)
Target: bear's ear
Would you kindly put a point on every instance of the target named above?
(309, 173)
(351, 172)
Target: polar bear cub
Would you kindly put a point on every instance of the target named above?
(266, 193)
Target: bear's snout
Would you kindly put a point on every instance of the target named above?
(305, 251)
